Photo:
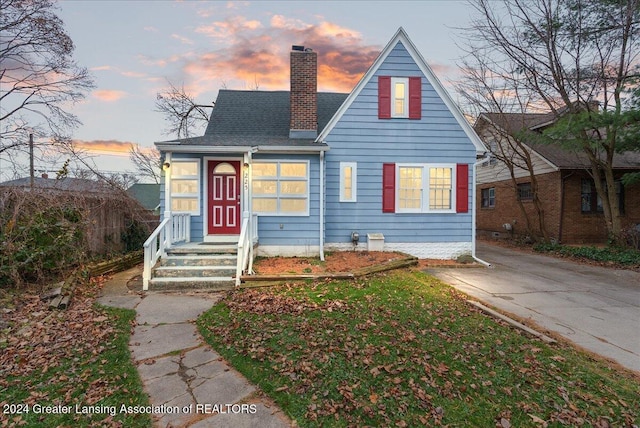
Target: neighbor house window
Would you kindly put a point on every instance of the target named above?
(348, 181)
(425, 188)
(489, 197)
(524, 192)
(590, 201)
(280, 188)
(185, 186)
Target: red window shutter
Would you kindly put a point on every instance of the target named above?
(462, 188)
(384, 97)
(415, 97)
(389, 188)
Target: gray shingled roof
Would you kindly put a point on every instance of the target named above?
(148, 194)
(250, 118)
(558, 156)
(515, 122)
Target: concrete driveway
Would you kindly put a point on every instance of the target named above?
(594, 307)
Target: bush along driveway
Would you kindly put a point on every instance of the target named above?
(404, 349)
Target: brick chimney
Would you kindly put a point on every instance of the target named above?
(304, 93)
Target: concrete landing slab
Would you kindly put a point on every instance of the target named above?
(173, 308)
(156, 340)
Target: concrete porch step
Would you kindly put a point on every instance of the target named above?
(196, 249)
(186, 283)
(199, 260)
(193, 271)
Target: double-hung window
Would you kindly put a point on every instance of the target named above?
(400, 97)
(184, 186)
(280, 188)
(425, 188)
(591, 202)
(489, 197)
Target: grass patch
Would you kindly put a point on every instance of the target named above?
(404, 349)
(626, 257)
(103, 377)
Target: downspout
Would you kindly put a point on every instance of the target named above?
(321, 206)
(473, 212)
(562, 184)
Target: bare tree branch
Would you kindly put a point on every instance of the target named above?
(147, 162)
(38, 77)
(575, 58)
(182, 114)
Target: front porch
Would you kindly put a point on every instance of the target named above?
(172, 261)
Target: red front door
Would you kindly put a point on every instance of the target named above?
(224, 197)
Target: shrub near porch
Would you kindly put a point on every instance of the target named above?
(404, 349)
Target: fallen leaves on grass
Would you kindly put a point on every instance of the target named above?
(47, 353)
(39, 338)
(398, 351)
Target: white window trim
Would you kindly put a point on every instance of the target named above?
(424, 208)
(196, 177)
(404, 80)
(354, 181)
(277, 195)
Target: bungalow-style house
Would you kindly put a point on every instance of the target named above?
(572, 209)
(387, 166)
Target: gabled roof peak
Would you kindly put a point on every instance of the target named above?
(402, 37)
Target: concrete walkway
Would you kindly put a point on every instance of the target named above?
(594, 307)
(189, 382)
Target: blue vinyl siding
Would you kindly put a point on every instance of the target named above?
(361, 137)
(296, 230)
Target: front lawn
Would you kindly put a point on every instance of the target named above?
(404, 349)
(68, 368)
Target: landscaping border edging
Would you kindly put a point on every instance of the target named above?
(394, 264)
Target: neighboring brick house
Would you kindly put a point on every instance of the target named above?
(572, 209)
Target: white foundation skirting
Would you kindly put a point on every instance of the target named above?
(287, 250)
(422, 250)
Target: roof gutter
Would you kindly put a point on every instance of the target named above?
(292, 149)
(192, 148)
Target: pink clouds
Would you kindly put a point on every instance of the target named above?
(256, 54)
(108, 95)
(110, 147)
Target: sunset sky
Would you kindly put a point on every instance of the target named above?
(133, 48)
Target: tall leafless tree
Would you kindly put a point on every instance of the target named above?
(575, 58)
(39, 79)
(183, 115)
